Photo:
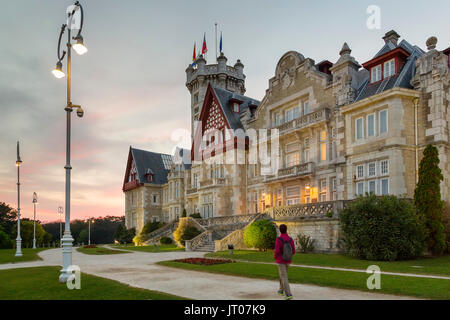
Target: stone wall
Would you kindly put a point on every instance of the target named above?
(325, 232)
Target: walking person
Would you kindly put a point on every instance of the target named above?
(284, 250)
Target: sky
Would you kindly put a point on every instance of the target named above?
(131, 82)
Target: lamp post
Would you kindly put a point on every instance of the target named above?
(79, 47)
(60, 211)
(34, 223)
(89, 238)
(18, 239)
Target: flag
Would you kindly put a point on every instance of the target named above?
(220, 44)
(194, 56)
(204, 49)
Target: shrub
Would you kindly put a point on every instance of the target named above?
(196, 215)
(427, 199)
(305, 243)
(184, 214)
(138, 240)
(166, 240)
(261, 235)
(382, 228)
(151, 226)
(446, 222)
(190, 233)
(184, 232)
(5, 240)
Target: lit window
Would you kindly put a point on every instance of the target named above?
(384, 186)
(389, 68)
(323, 151)
(375, 73)
(323, 135)
(360, 171)
(370, 125)
(383, 122)
(359, 128)
(292, 159)
(384, 167)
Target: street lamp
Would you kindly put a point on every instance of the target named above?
(89, 238)
(60, 211)
(18, 239)
(79, 47)
(34, 224)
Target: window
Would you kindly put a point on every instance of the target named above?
(306, 155)
(277, 119)
(177, 190)
(371, 169)
(375, 73)
(155, 198)
(296, 112)
(371, 125)
(323, 190)
(291, 202)
(359, 128)
(236, 107)
(384, 186)
(360, 171)
(196, 98)
(289, 115)
(372, 186)
(305, 107)
(323, 145)
(389, 68)
(383, 121)
(384, 167)
(292, 191)
(292, 159)
(195, 180)
(360, 188)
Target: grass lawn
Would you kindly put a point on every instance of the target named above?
(434, 266)
(161, 248)
(7, 255)
(399, 285)
(99, 251)
(41, 283)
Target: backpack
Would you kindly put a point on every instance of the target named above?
(287, 249)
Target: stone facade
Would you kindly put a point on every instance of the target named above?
(344, 130)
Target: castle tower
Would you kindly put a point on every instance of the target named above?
(220, 75)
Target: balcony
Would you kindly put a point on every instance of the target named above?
(310, 119)
(318, 210)
(191, 190)
(212, 182)
(299, 170)
(131, 185)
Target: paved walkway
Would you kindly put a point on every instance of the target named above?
(138, 269)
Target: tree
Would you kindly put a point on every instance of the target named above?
(260, 234)
(8, 218)
(151, 226)
(5, 240)
(26, 233)
(427, 199)
(83, 236)
(382, 228)
(184, 214)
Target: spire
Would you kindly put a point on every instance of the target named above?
(345, 49)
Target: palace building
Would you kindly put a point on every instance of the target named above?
(344, 128)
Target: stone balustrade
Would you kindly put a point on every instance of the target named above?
(227, 220)
(198, 241)
(307, 120)
(310, 210)
(191, 190)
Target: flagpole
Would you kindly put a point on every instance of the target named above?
(215, 25)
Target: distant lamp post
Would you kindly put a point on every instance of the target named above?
(18, 239)
(58, 72)
(34, 224)
(60, 211)
(89, 233)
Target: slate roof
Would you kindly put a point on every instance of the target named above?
(401, 79)
(187, 153)
(147, 161)
(234, 119)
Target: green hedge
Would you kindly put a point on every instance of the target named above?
(261, 235)
(382, 228)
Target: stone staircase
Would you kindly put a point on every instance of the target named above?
(208, 246)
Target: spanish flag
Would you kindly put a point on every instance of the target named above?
(194, 56)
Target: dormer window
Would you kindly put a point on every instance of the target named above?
(235, 107)
(389, 68)
(375, 73)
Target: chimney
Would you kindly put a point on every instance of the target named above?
(392, 37)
